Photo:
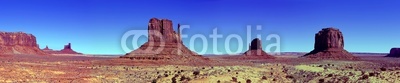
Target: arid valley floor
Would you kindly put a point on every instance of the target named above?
(285, 68)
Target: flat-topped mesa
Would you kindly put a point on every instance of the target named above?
(329, 44)
(19, 43)
(255, 51)
(394, 52)
(163, 44)
(328, 39)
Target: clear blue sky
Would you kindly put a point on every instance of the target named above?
(96, 26)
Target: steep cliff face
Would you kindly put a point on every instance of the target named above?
(329, 38)
(19, 43)
(162, 31)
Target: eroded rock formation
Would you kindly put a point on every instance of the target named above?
(67, 50)
(163, 44)
(329, 44)
(19, 43)
(255, 51)
(394, 52)
(46, 48)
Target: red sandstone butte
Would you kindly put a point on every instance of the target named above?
(394, 52)
(163, 44)
(255, 51)
(19, 43)
(329, 44)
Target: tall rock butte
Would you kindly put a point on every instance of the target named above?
(394, 52)
(329, 44)
(255, 51)
(163, 44)
(19, 43)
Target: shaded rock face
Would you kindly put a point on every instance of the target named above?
(19, 43)
(68, 46)
(163, 44)
(329, 38)
(67, 50)
(329, 44)
(255, 44)
(255, 51)
(394, 52)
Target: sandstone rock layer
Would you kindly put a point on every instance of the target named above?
(394, 52)
(163, 44)
(329, 44)
(19, 43)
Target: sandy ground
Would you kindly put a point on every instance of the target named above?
(284, 69)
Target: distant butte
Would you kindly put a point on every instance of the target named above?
(394, 52)
(329, 44)
(67, 50)
(164, 44)
(47, 48)
(255, 51)
(19, 43)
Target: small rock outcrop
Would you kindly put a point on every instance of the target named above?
(67, 50)
(329, 44)
(19, 43)
(47, 48)
(163, 44)
(394, 52)
(255, 51)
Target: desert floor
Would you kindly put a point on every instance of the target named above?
(286, 69)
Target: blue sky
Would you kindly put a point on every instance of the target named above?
(96, 26)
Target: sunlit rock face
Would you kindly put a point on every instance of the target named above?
(19, 43)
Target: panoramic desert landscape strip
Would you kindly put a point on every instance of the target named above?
(199, 41)
(23, 61)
